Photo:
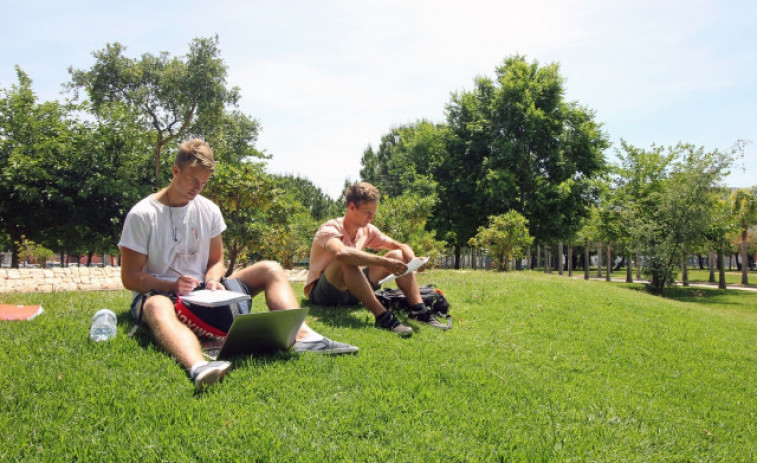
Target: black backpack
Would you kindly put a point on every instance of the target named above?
(394, 299)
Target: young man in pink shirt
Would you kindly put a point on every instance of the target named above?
(341, 273)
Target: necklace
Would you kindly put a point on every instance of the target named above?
(170, 213)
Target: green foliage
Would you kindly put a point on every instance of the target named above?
(505, 238)
(686, 209)
(288, 230)
(536, 368)
(320, 205)
(170, 97)
(407, 159)
(244, 193)
(744, 209)
(32, 252)
(404, 218)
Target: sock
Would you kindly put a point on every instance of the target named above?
(311, 337)
(418, 308)
(197, 365)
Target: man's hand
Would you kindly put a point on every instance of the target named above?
(395, 266)
(185, 284)
(213, 284)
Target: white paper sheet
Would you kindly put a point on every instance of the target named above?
(412, 266)
(208, 298)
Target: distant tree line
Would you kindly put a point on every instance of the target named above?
(514, 164)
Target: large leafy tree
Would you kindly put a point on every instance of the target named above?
(519, 145)
(170, 97)
(35, 149)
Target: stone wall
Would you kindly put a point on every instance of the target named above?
(28, 280)
(60, 279)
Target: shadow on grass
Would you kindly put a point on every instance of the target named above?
(343, 316)
(704, 296)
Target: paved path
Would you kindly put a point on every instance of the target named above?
(740, 287)
(297, 275)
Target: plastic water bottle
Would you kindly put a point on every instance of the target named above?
(103, 325)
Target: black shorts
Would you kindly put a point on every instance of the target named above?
(324, 293)
(139, 300)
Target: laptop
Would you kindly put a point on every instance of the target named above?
(259, 333)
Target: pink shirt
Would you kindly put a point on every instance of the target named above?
(320, 258)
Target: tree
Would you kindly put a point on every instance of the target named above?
(505, 238)
(404, 219)
(407, 159)
(686, 209)
(320, 205)
(527, 149)
(169, 97)
(744, 209)
(244, 193)
(288, 230)
(34, 154)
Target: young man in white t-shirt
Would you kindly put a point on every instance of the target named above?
(341, 273)
(171, 244)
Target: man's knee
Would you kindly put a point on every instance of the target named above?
(158, 309)
(396, 254)
(261, 274)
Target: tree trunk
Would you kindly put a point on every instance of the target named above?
(712, 261)
(685, 265)
(457, 257)
(609, 261)
(586, 259)
(560, 258)
(570, 260)
(629, 271)
(16, 240)
(547, 259)
(538, 257)
(638, 266)
(721, 270)
(599, 259)
(744, 258)
(529, 259)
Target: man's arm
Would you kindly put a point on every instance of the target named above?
(216, 267)
(407, 251)
(351, 256)
(134, 278)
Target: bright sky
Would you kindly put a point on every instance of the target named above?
(327, 78)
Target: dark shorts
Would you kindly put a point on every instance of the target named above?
(139, 300)
(324, 293)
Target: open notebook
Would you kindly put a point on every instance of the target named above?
(259, 333)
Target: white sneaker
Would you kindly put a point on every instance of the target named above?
(324, 346)
(210, 373)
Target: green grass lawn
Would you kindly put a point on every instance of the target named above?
(536, 368)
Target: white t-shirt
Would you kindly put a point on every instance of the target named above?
(183, 244)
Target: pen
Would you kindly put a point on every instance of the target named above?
(175, 271)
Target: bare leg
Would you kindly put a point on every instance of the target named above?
(270, 277)
(350, 277)
(171, 334)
